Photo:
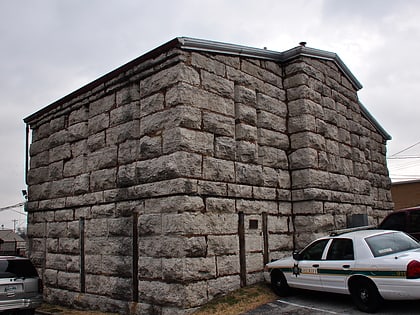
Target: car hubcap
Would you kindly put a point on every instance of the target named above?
(364, 295)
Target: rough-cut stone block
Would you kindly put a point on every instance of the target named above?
(272, 105)
(245, 114)
(102, 105)
(208, 188)
(245, 132)
(78, 131)
(247, 152)
(242, 191)
(302, 123)
(98, 123)
(308, 207)
(304, 158)
(245, 96)
(218, 170)
(167, 77)
(273, 138)
(180, 116)
(188, 269)
(103, 179)
(273, 157)
(123, 132)
(218, 124)
(174, 204)
(227, 265)
(268, 120)
(256, 206)
(220, 245)
(249, 174)
(220, 205)
(225, 148)
(149, 147)
(152, 104)
(104, 158)
(129, 151)
(216, 84)
(307, 139)
(184, 94)
(181, 139)
(127, 95)
(223, 285)
(172, 246)
(78, 115)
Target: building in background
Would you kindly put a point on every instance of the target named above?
(406, 194)
(176, 177)
(11, 243)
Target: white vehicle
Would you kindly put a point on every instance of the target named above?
(370, 265)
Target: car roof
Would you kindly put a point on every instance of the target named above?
(406, 209)
(13, 258)
(363, 233)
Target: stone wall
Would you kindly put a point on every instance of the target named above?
(176, 179)
(337, 158)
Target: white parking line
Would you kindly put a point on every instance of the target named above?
(308, 307)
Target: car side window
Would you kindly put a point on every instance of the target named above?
(315, 250)
(396, 221)
(341, 249)
(414, 222)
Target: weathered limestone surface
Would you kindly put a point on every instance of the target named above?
(138, 186)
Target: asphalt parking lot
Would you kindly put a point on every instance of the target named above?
(317, 303)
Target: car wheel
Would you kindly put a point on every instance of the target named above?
(366, 296)
(26, 312)
(279, 283)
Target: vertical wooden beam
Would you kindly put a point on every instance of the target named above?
(135, 262)
(242, 249)
(265, 237)
(82, 254)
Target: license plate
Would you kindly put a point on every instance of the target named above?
(11, 288)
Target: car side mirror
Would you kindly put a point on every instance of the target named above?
(297, 256)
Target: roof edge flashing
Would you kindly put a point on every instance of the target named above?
(225, 48)
(188, 43)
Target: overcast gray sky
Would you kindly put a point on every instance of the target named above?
(50, 48)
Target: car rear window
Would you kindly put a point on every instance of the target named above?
(390, 243)
(395, 221)
(17, 268)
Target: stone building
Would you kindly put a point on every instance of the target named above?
(176, 177)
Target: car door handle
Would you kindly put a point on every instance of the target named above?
(315, 266)
(346, 266)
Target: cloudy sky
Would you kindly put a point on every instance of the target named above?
(50, 48)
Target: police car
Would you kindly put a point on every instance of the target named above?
(370, 265)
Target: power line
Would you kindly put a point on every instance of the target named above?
(405, 157)
(18, 205)
(408, 148)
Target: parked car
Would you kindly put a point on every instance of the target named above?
(20, 286)
(370, 265)
(406, 220)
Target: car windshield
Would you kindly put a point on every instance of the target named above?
(390, 243)
(17, 268)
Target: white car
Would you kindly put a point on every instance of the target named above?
(370, 265)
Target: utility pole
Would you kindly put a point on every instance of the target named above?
(14, 225)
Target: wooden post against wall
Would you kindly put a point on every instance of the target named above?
(82, 254)
(265, 237)
(135, 271)
(242, 249)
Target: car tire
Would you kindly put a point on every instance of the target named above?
(26, 312)
(365, 295)
(279, 283)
